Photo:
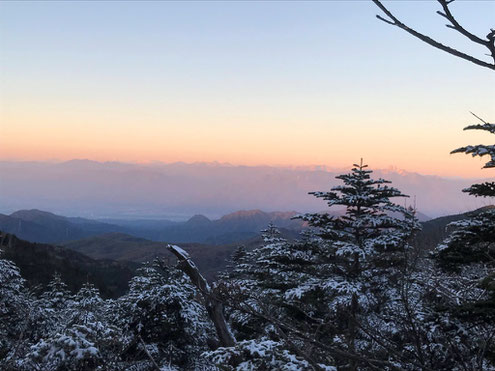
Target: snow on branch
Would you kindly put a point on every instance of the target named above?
(480, 150)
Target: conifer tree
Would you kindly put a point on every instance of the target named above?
(163, 322)
(271, 276)
(473, 240)
(57, 295)
(261, 290)
(54, 304)
(85, 341)
(368, 246)
(463, 296)
(322, 290)
(14, 310)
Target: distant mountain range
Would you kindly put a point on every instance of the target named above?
(237, 226)
(109, 259)
(117, 190)
(211, 259)
(41, 226)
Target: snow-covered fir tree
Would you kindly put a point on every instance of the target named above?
(259, 290)
(462, 297)
(14, 312)
(317, 296)
(55, 303)
(368, 248)
(163, 321)
(85, 341)
(57, 295)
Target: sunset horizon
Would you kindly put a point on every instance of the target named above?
(341, 166)
(159, 82)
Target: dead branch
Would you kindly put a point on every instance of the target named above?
(213, 306)
(489, 42)
(150, 357)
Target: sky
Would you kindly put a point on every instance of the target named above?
(241, 82)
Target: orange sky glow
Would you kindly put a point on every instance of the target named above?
(281, 87)
(272, 143)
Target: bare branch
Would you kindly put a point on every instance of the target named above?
(479, 118)
(456, 26)
(385, 20)
(488, 43)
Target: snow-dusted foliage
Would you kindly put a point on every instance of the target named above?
(14, 311)
(84, 340)
(448, 337)
(57, 296)
(259, 291)
(486, 189)
(471, 241)
(480, 149)
(462, 292)
(162, 319)
(160, 323)
(340, 278)
(262, 354)
(368, 249)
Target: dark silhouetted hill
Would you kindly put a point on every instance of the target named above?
(45, 227)
(121, 247)
(435, 230)
(39, 262)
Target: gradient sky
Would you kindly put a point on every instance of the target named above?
(277, 83)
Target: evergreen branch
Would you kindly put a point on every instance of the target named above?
(488, 127)
(486, 189)
(332, 350)
(479, 150)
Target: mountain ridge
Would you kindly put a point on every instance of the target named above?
(45, 227)
(177, 191)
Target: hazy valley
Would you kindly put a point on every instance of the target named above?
(42, 243)
(115, 190)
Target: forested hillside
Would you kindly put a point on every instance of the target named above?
(38, 264)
